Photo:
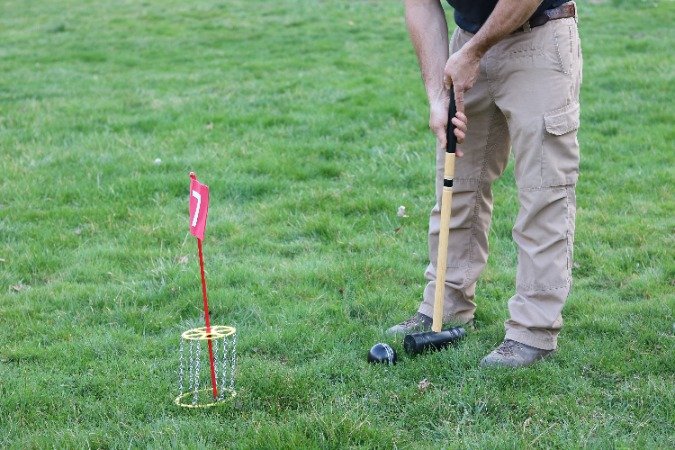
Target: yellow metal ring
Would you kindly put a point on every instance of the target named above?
(217, 332)
(179, 400)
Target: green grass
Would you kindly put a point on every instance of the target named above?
(308, 121)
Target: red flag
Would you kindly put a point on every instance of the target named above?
(199, 206)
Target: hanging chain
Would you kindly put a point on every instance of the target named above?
(180, 370)
(225, 362)
(195, 397)
(215, 362)
(191, 367)
(234, 361)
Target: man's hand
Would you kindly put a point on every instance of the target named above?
(438, 119)
(429, 34)
(461, 72)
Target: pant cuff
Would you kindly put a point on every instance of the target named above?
(462, 318)
(531, 339)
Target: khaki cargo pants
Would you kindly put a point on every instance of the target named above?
(527, 99)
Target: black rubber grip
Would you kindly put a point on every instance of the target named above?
(450, 129)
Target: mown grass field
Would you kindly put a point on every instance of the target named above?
(307, 119)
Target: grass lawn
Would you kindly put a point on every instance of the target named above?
(308, 121)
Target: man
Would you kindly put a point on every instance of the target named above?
(515, 69)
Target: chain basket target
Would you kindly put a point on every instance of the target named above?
(194, 382)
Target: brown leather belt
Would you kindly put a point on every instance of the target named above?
(561, 12)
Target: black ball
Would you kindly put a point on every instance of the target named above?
(382, 353)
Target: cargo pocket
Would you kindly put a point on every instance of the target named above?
(560, 149)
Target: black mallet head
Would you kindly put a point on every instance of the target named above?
(420, 342)
(382, 353)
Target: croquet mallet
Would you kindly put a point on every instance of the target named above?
(437, 338)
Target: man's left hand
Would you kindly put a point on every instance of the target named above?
(461, 71)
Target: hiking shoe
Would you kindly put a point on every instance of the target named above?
(514, 354)
(418, 322)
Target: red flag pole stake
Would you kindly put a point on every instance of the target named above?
(206, 318)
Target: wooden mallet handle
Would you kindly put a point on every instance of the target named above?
(446, 204)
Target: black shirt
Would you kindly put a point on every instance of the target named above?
(470, 15)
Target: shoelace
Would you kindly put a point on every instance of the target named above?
(415, 320)
(412, 321)
(506, 348)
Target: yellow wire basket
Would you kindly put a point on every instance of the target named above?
(195, 385)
